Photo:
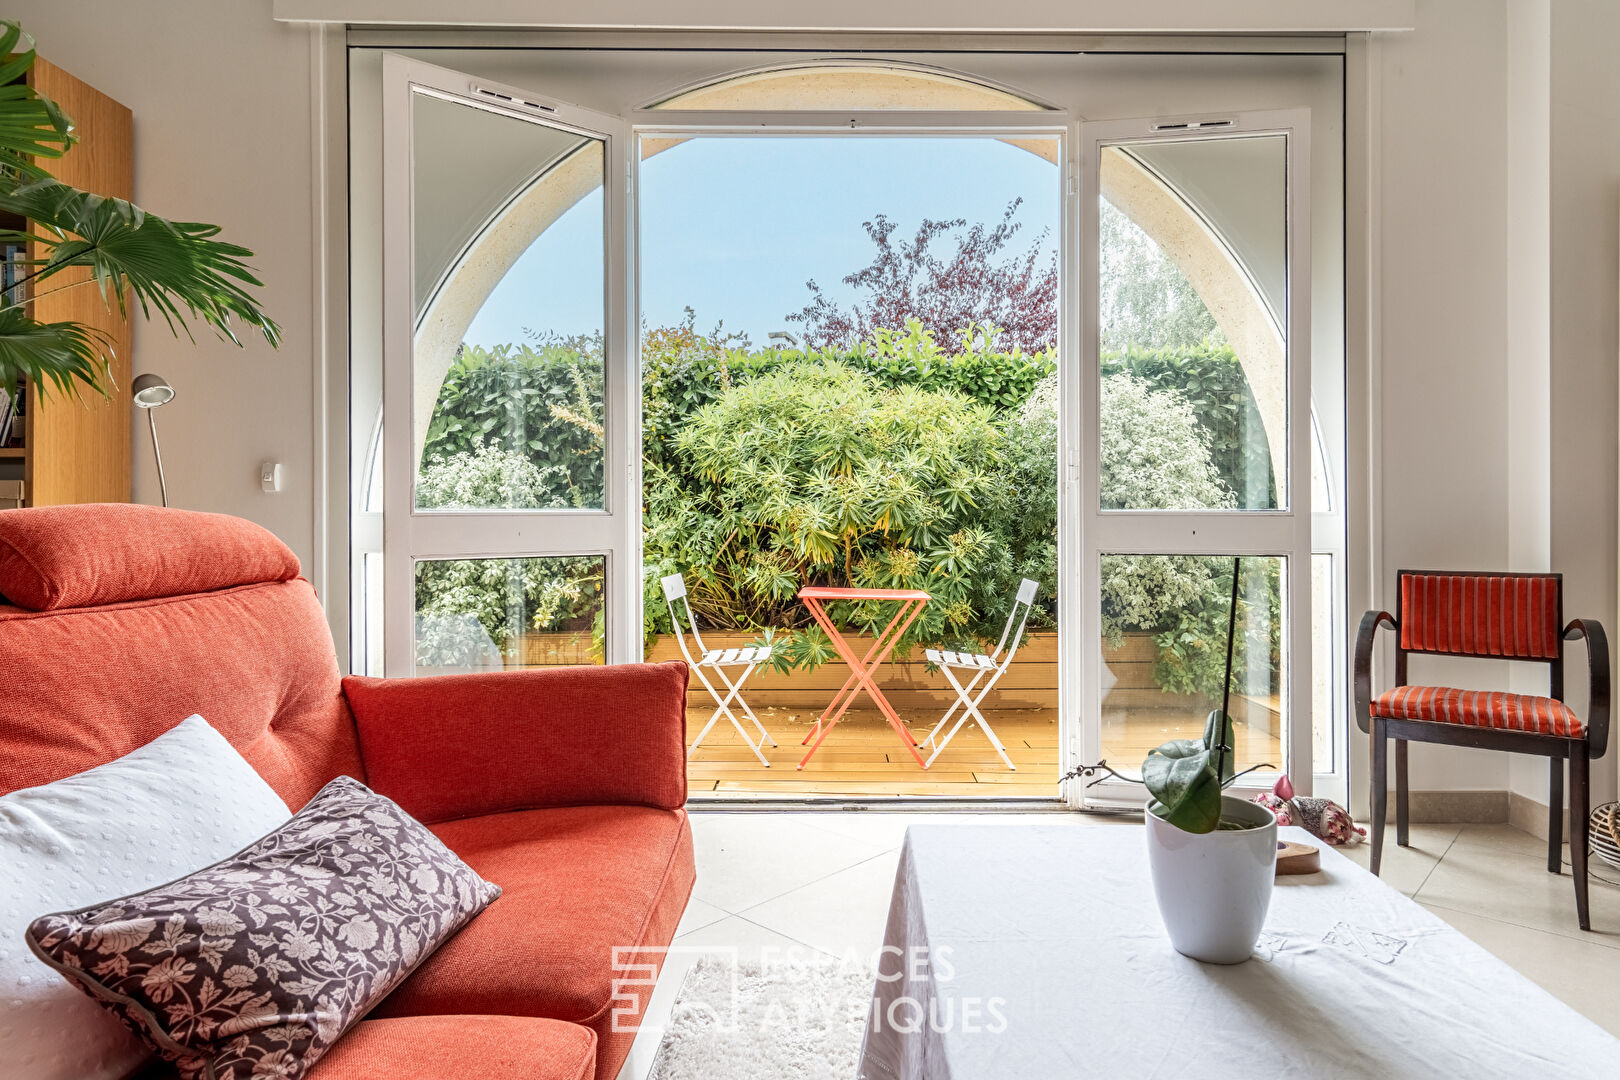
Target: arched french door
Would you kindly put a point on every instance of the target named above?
(541, 538)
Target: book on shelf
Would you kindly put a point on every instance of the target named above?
(11, 415)
(13, 263)
(11, 494)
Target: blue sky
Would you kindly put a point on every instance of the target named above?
(733, 227)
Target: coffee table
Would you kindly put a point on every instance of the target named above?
(1037, 951)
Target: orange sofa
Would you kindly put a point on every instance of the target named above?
(566, 786)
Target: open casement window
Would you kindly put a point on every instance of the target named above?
(1173, 485)
(511, 533)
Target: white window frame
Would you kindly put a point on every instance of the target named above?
(414, 536)
(1284, 533)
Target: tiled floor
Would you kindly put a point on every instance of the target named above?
(799, 880)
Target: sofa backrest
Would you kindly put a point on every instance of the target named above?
(120, 621)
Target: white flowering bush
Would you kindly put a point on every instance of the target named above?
(466, 607)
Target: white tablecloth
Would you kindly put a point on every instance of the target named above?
(1046, 959)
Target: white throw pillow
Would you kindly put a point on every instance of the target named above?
(180, 803)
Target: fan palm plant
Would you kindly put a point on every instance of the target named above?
(173, 269)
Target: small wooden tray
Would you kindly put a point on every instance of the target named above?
(1295, 858)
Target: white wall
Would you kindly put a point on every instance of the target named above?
(1443, 353)
(1585, 281)
(221, 100)
(1529, 337)
(221, 95)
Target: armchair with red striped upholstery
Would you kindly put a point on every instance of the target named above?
(1491, 616)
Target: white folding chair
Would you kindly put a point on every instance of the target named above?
(717, 660)
(993, 666)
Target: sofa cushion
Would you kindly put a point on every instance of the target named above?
(256, 660)
(437, 1047)
(182, 801)
(105, 553)
(257, 964)
(578, 882)
(465, 745)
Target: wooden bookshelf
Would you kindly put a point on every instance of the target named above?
(78, 449)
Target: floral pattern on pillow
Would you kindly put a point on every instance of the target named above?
(255, 966)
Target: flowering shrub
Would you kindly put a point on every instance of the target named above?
(465, 608)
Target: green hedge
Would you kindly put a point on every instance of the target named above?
(544, 403)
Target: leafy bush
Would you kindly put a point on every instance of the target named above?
(1211, 379)
(814, 473)
(466, 606)
(1192, 653)
(729, 431)
(541, 403)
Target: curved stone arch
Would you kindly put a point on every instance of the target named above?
(1197, 250)
(484, 264)
(848, 83)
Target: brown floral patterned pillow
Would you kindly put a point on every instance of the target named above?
(255, 966)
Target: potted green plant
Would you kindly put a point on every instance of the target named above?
(137, 260)
(1213, 857)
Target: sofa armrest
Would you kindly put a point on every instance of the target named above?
(457, 746)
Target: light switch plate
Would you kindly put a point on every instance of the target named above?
(270, 477)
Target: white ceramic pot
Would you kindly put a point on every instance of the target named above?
(1214, 888)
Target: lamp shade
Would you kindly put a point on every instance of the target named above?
(150, 391)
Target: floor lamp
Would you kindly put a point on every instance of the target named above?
(150, 392)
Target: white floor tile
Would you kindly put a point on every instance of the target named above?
(1518, 889)
(1407, 868)
(843, 913)
(699, 914)
(1505, 839)
(776, 885)
(746, 859)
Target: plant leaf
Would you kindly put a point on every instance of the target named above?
(63, 354)
(174, 268)
(31, 126)
(1180, 778)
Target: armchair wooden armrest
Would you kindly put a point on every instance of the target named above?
(1362, 671)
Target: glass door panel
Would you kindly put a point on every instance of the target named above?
(507, 527)
(1196, 320)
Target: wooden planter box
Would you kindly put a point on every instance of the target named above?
(1031, 682)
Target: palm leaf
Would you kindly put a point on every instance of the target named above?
(62, 354)
(173, 268)
(31, 126)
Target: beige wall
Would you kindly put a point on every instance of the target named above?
(222, 102)
(221, 97)
(1585, 281)
(1443, 353)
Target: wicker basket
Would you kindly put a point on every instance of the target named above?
(1605, 833)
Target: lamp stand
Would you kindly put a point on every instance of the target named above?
(157, 455)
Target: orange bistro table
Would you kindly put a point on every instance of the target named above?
(911, 603)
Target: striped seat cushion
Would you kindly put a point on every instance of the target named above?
(1480, 708)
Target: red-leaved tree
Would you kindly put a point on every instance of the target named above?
(980, 283)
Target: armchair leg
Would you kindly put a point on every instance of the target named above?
(1555, 821)
(1403, 817)
(1380, 790)
(1579, 773)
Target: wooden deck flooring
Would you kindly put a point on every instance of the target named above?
(864, 758)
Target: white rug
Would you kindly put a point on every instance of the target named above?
(800, 1021)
